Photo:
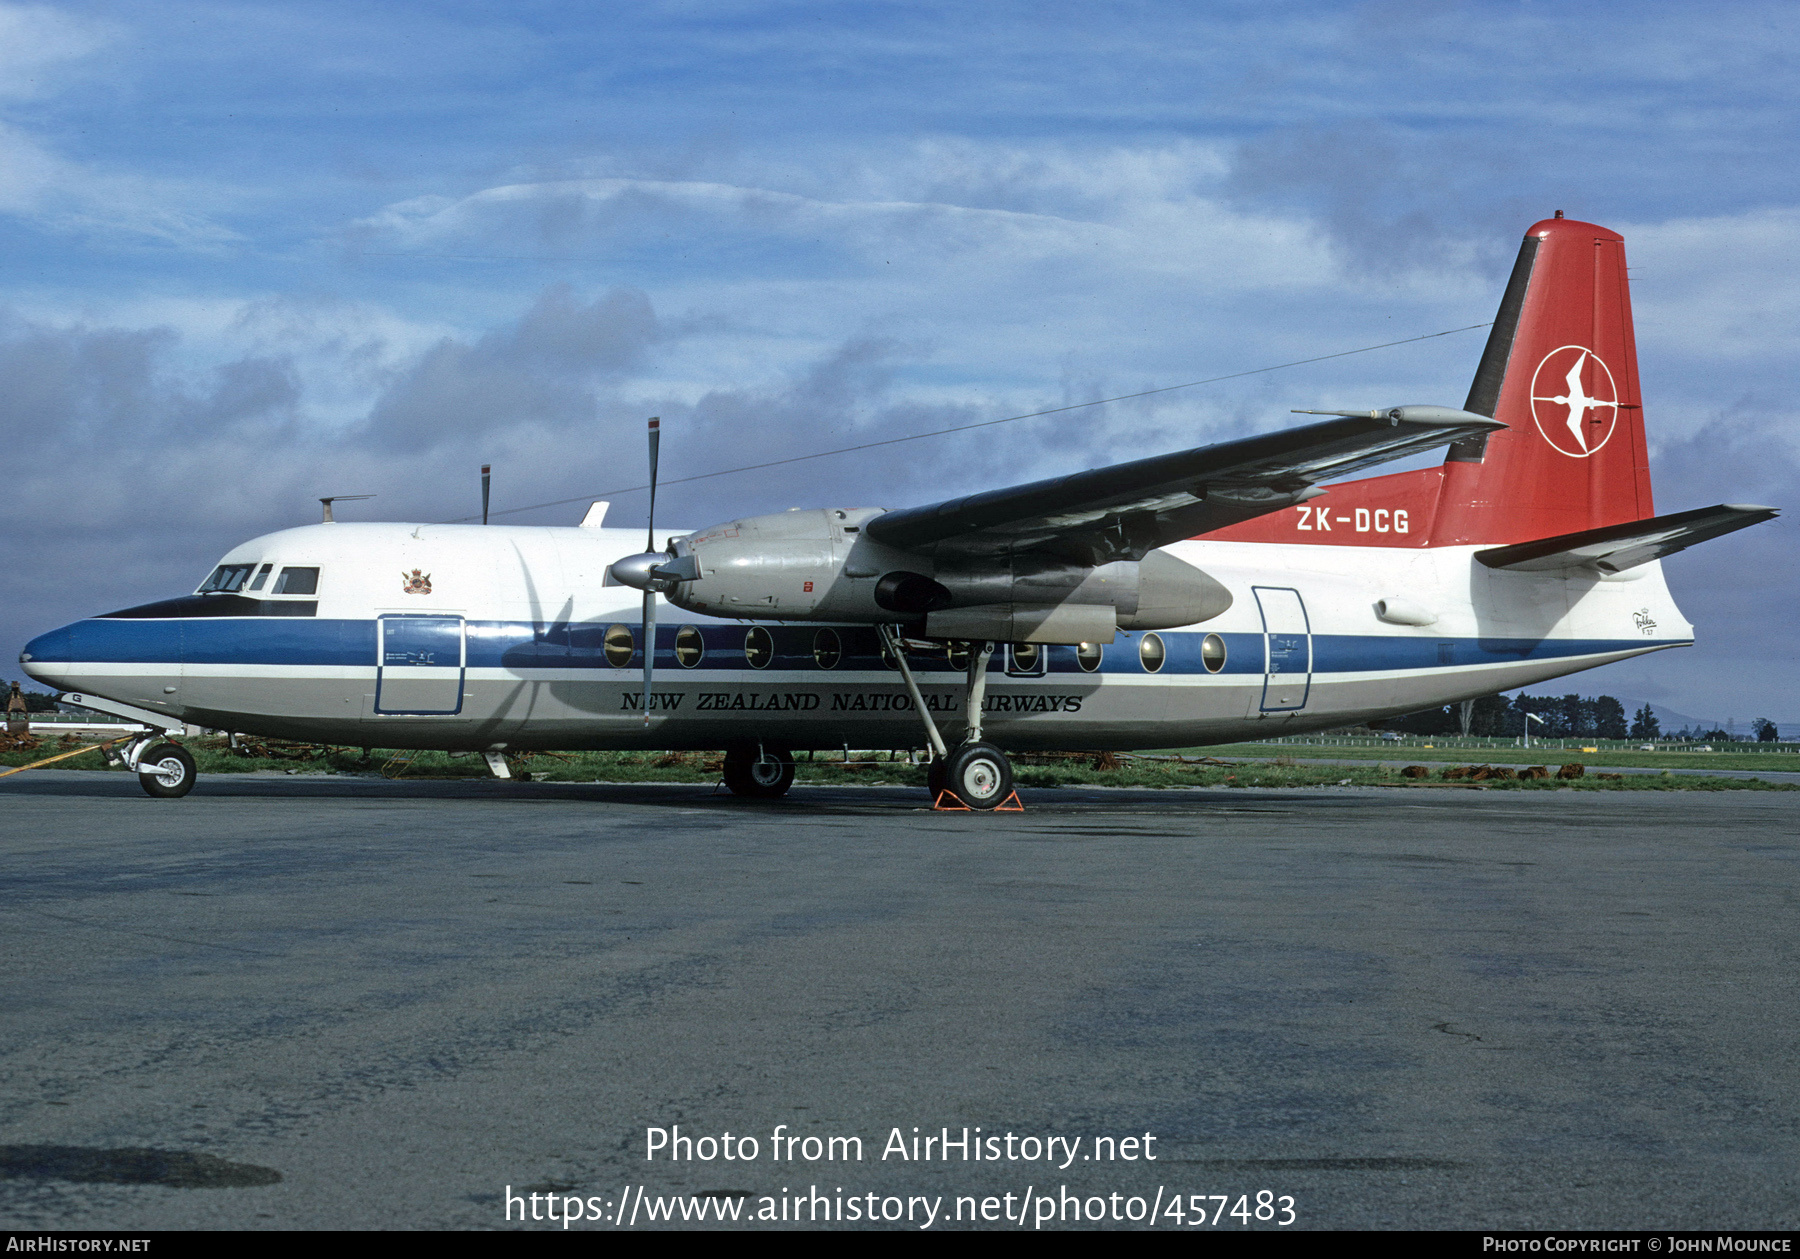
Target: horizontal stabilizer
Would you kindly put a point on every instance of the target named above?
(1615, 548)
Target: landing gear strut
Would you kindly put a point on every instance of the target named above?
(975, 772)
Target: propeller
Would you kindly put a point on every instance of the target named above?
(653, 572)
(650, 588)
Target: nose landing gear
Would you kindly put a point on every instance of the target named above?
(166, 771)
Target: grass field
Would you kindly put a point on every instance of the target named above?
(214, 756)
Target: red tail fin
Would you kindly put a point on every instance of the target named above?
(1561, 369)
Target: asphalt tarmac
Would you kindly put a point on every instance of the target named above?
(349, 1003)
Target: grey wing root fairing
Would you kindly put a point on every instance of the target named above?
(1125, 511)
(1615, 548)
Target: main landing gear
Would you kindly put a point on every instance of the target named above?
(973, 775)
(759, 772)
(976, 774)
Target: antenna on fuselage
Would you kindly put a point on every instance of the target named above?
(338, 498)
(650, 590)
(484, 493)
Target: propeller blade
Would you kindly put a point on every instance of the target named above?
(649, 647)
(650, 590)
(655, 438)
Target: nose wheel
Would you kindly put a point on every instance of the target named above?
(166, 771)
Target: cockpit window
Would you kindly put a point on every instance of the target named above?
(297, 581)
(262, 575)
(228, 578)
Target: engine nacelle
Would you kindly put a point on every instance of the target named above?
(817, 566)
(789, 567)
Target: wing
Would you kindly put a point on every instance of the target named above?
(1615, 548)
(1129, 509)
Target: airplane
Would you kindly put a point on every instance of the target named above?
(1234, 591)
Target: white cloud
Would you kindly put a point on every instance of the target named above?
(37, 41)
(1725, 287)
(40, 54)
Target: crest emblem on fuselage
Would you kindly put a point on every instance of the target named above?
(415, 583)
(1576, 422)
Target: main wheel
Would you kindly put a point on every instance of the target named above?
(934, 776)
(166, 771)
(978, 774)
(764, 776)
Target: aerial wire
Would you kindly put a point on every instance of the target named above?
(964, 428)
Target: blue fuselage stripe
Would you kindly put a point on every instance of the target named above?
(521, 645)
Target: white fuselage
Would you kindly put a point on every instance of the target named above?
(510, 637)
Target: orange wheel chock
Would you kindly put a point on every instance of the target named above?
(947, 802)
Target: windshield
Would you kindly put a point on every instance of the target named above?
(297, 581)
(227, 578)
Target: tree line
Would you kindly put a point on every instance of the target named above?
(1560, 717)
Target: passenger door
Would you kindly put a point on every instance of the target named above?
(420, 661)
(1287, 649)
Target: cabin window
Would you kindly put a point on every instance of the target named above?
(957, 654)
(618, 645)
(759, 648)
(1151, 653)
(1212, 653)
(262, 575)
(1088, 655)
(297, 581)
(689, 647)
(227, 578)
(827, 649)
(1024, 658)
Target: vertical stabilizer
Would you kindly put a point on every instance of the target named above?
(1560, 369)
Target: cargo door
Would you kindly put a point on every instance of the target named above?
(419, 665)
(1287, 649)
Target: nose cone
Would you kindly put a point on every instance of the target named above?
(132, 660)
(655, 570)
(46, 658)
(635, 570)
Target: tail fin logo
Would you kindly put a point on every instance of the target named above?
(1575, 422)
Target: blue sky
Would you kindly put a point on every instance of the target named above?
(256, 254)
